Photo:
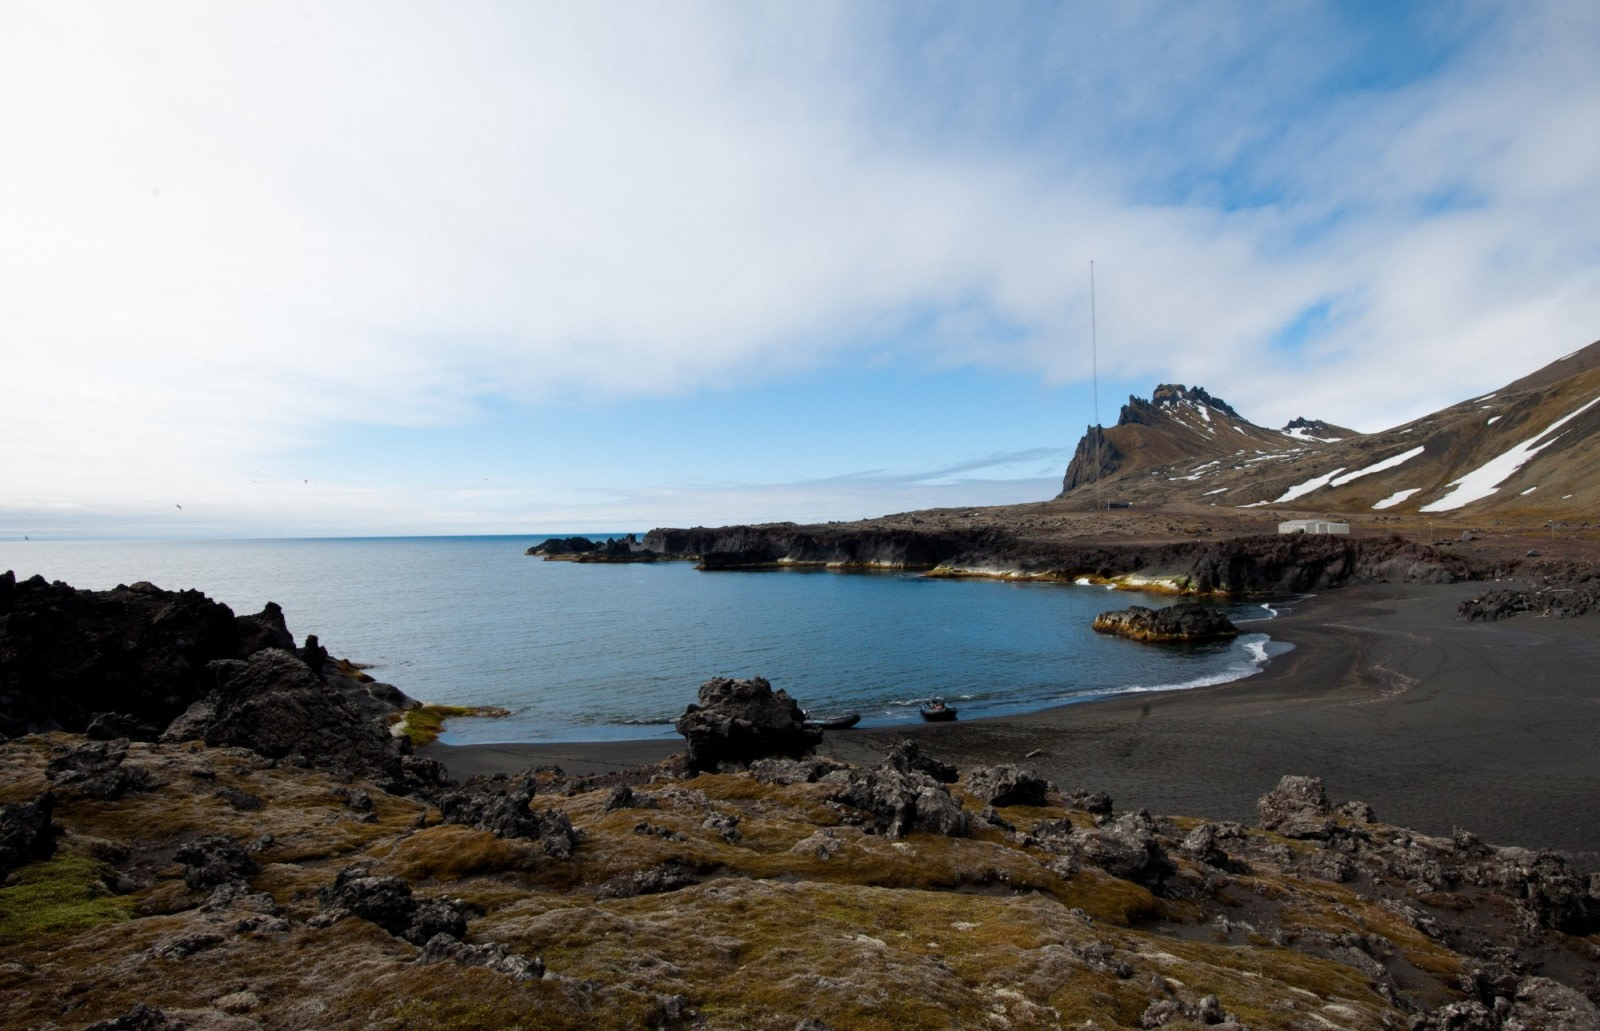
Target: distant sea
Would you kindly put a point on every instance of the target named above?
(608, 652)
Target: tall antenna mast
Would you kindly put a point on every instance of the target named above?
(1094, 361)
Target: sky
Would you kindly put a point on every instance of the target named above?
(331, 268)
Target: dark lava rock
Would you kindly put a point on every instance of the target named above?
(1203, 845)
(501, 805)
(1008, 785)
(1095, 803)
(490, 955)
(274, 704)
(1126, 847)
(387, 902)
(265, 629)
(1187, 621)
(124, 663)
(66, 655)
(906, 756)
(213, 860)
(1297, 808)
(1562, 602)
(739, 721)
(413, 775)
(109, 726)
(898, 800)
(26, 832)
(95, 770)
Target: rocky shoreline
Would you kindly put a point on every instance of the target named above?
(202, 877)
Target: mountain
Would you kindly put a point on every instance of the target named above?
(1529, 451)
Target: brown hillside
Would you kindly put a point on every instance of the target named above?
(1528, 453)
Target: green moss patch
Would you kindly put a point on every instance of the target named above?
(424, 724)
(63, 895)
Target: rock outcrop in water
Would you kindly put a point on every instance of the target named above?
(582, 549)
(1187, 622)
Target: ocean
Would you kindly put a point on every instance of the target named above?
(615, 652)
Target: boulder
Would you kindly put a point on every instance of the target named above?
(1297, 808)
(906, 756)
(1008, 785)
(274, 704)
(1185, 622)
(26, 832)
(1126, 847)
(212, 860)
(739, 721)
(265, 629)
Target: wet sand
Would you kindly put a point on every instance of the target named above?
(1435, 722)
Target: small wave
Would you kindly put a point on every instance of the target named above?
(1257, 650)
(1271, 612)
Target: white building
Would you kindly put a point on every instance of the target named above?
(1313, 526)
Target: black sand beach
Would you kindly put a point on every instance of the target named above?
(1435, 722)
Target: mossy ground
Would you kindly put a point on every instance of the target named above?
(60, 896)
(928, 932)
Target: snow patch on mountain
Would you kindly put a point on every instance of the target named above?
(1483, 481)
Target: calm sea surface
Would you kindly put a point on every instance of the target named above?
(596, 652)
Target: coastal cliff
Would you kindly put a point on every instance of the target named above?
(1239, 565)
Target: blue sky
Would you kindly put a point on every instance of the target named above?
(346, 268)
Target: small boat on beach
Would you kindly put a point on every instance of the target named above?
(935, 711)
(841, 721)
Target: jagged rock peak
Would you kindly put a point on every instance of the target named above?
(1169, 394)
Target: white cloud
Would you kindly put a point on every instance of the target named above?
(231, 227)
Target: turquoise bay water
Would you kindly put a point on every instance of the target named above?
(598, 652)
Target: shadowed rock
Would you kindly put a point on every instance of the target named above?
(96, 770)
(274, 704)
(26, 832)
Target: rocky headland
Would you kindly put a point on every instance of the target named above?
(242, 870)
(1258, 563)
